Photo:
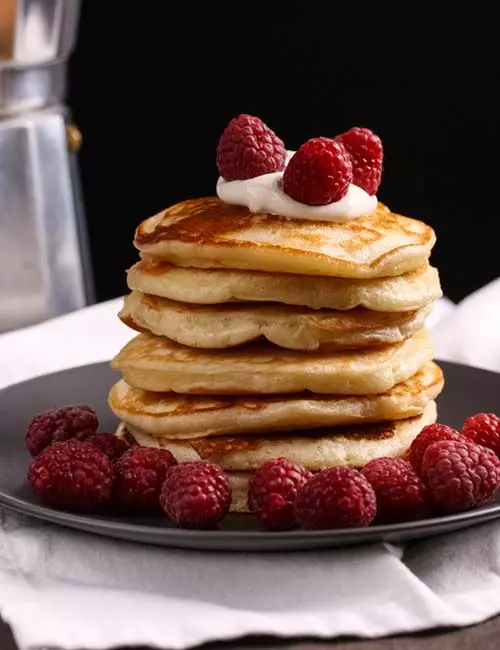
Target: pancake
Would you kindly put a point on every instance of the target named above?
(213, 286)
(160, 365)
(209, 233)
(239, 482)
(351, 446)
(169, 415)
(295, 328)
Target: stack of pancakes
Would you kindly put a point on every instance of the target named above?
(262, 336)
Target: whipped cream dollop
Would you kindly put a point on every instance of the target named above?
(264, 194)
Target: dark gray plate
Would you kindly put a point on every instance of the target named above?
(467, 391)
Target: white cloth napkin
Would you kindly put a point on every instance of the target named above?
(64, 589)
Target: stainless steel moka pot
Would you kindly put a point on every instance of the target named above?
(44, 270)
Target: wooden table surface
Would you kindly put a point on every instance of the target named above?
(480, 637)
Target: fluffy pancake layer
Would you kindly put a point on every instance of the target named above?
(350, 446)
(209, 233)
(407, 292)
(296, 328)
(160, 365)
(167, 415)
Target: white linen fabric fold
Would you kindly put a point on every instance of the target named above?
(64, 589)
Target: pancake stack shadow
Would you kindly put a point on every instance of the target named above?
(263, 337)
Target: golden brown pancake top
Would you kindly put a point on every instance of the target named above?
(208, 220)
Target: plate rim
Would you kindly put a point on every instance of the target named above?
(62, 517)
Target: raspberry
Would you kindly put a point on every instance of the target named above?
(272, 492)
(460, 474)
(72, 475)
(140, 473)
(401, 493)
(366, 152)
(109, 444)
(430, 434)
(248, 148)
(196, 495)
(319, 173)
(483, 429)
(338, 497)
(59, 424)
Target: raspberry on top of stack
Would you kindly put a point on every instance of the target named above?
(284, 317)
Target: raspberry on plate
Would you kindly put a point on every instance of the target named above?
(401, 493)
(367, 154)
(196, 495)
(140, 473)
(58, 424)
(460, 474)
(72, 475)
(430, 434)
(249, 148)
(338, 497)
(319, 173)
(272, 492)
(483, 429)
(111, 445)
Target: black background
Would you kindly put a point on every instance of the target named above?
(152, 92)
